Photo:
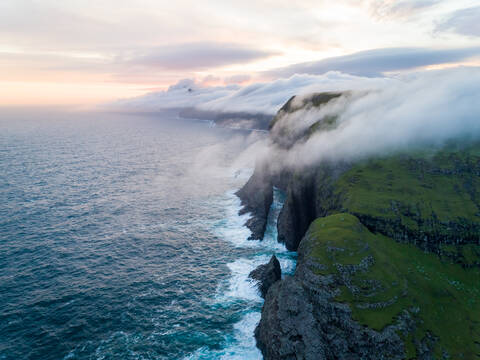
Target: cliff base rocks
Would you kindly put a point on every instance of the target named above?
(359, 295)
(267, 275)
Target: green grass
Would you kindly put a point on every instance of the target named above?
(436, 193)
(470, 254)
(314, 100)
(389, 186)
(467, 254)
(329, 122)
(402, 277)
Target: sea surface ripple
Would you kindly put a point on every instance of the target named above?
(120, 239)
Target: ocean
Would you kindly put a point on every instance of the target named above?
(120, 238)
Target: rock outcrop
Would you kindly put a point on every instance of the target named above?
(302, 320)
(389, 252)
(302, 323)
(310, 194)
(360, 295)
(256, 197)
(267, 275)
(257, 194)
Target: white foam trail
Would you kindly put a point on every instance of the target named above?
(232, 228)
(244, 347)
(240, 347)
(239, 287)
(287, 263)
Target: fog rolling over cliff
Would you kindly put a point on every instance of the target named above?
(383, 206)
(261, 98)
(429, 108)
(373, 116)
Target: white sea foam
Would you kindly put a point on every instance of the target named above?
(239, 287)
(232, 228)
(287, 263)
(240, 346)
(244, 348)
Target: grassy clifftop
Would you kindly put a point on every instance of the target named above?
(389, 250)
(406, 239)
(380, 278)
(430, 199)
(427, 197)
(293, 104)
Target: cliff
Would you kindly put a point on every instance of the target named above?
(389, 254)
(360, 295)
(430, 198)
(256, 197)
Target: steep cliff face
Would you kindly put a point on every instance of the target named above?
(430, 199)
(389, 254)
(256, 197)
(295, 103)
(267, 274)
(302, 320)
(360, 295)
(301, 204)
(310, 194)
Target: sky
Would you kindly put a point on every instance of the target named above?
(77, 52)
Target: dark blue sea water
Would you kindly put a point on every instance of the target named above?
(120, 239)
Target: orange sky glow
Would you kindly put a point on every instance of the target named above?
(74, 52)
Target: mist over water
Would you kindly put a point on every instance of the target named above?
(119, 238)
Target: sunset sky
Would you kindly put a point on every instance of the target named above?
(85, 51)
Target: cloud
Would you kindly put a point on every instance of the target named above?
(139, 65)
(378, 61)
(185, 93)
(376, 116)
(464, 22)
(266, 97)
(399, 9)
(197, 56)
(237, 79)
(428, 108)
(45, 25)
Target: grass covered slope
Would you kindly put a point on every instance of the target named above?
(389, 250)
(313, 100)
(424, 198)
(380, 278)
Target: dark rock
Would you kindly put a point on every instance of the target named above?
(305, 191)
(301, 320)
(310, 194)
(314, 100)
(257, 196)
(267, 275)
(300, 317)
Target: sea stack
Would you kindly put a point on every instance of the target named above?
(267, 275)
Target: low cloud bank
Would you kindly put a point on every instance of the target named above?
(428, 108)
(264, 98)
(377, 116)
